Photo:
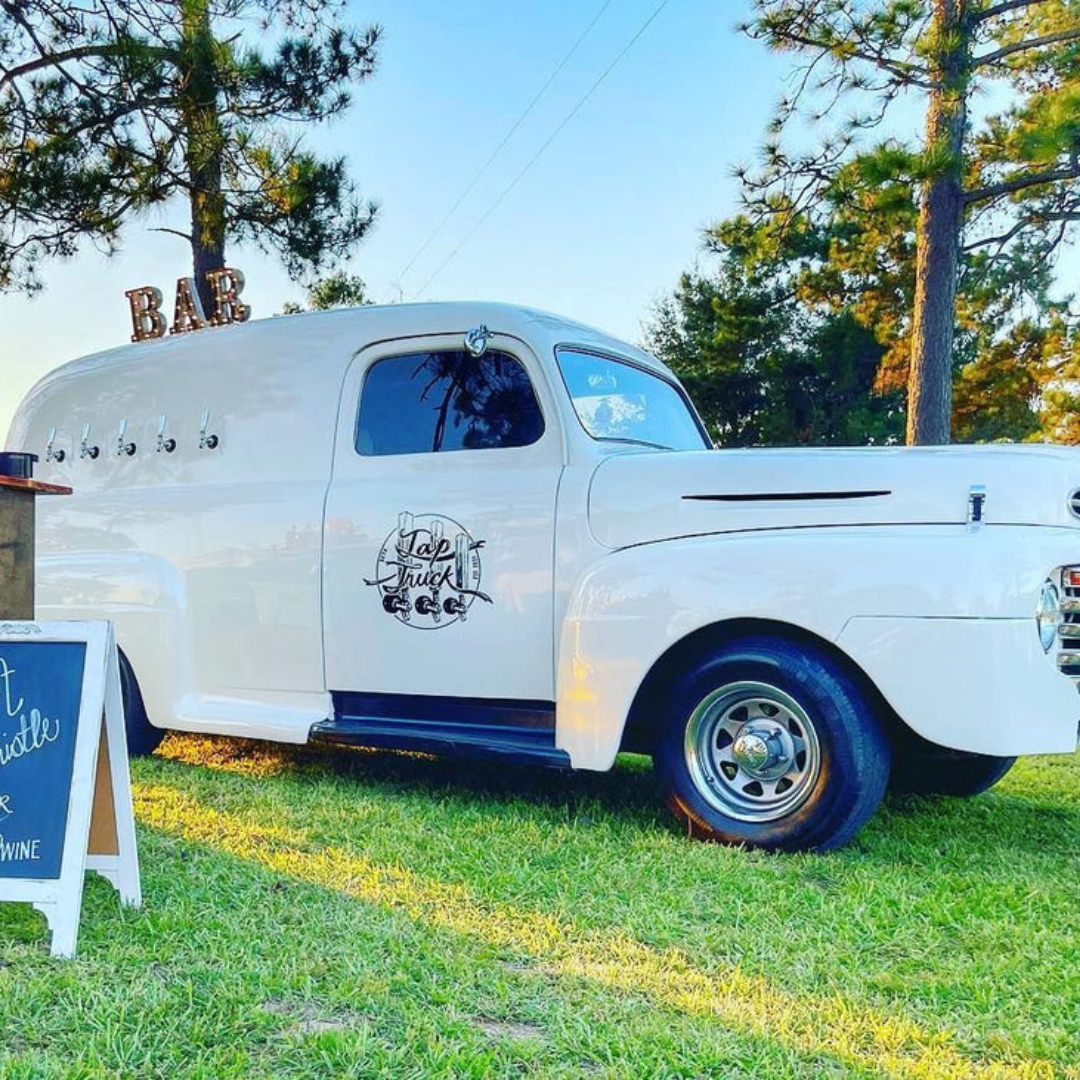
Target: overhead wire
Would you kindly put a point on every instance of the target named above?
(547, 142)
(524, 115)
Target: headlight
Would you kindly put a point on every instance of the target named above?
(1048, 616)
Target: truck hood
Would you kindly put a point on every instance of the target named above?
(639, 497)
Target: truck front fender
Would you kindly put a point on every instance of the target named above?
(631, 608)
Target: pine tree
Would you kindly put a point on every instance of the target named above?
(995, 184)
(764, 364)
(802, 332)
(111, 108)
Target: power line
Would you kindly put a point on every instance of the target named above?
(547, 142)
(505, 139)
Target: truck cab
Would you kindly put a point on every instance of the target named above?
(477, 529)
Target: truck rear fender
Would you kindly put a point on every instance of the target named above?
(144, 597)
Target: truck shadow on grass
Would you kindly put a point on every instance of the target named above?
(1017, 818)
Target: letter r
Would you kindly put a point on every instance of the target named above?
(227, 285)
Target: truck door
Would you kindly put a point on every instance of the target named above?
(439, 530)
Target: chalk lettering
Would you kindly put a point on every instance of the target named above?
(5, 676)
(32, 735)
(20, 850)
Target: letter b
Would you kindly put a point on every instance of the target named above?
(146, 318)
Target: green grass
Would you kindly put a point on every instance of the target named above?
(318, 913)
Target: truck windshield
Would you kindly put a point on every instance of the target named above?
(620, 402)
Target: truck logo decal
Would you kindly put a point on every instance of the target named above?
(428, 571)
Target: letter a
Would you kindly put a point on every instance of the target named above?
(189, 313)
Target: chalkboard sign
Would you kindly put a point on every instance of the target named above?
(65, 794)
(40, 695)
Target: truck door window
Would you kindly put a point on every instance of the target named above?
(432, 402)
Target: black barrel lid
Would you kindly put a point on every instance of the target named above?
(16, 465)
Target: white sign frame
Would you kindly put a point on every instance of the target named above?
(100, 725)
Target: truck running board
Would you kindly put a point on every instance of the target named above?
(514, 733)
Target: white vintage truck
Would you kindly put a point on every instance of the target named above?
(476, 529)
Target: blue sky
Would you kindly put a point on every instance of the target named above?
(597, 229)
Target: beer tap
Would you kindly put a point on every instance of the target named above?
(168, 445)
(122, 446)
(86, 450)
(52, 454)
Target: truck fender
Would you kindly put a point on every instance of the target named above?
(952, 596)
(143, 596)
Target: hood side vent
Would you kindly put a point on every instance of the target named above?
(788, 496)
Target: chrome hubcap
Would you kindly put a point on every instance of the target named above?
(752, 751)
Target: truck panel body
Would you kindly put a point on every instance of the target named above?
(209, 559)
(292, 570)
(225, 613)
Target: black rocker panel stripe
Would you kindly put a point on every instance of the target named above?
(521, 732)
(498, 714)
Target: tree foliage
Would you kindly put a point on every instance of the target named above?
(110, 108)
(800, 334)
(765, 364)
(997, 183)
(337, 290)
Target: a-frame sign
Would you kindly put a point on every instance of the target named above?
(65, 789)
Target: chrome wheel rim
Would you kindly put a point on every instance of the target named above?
(752, 751)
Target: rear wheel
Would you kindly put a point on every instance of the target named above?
(771, 744)
(142, 737)
(924, 768)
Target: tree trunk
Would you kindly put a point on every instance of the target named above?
(204, 146)
(940, 228)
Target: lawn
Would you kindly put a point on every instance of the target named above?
(314, 913)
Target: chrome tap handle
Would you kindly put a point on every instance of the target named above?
(122, 446)
(168, 445)
(86, 450)
(52, 454)
(206, 441)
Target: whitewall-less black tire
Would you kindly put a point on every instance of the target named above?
(924, 768)
(142, 737)
(771, 743)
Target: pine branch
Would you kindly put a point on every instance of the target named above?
(1021, 183)
(906, 72)
(174, 232)
(1003, 9)
(1002, 239)
(1025, 46)
(56, 59)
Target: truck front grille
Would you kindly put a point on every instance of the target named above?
(1069, 631)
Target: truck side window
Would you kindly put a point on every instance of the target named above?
(430, 402)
